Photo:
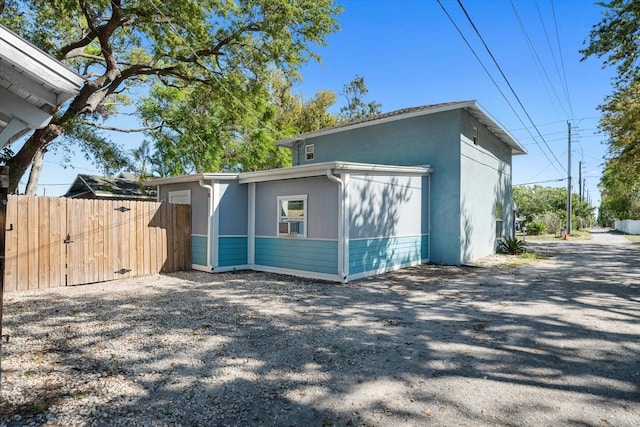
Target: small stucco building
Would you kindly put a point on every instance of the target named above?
(425, 184)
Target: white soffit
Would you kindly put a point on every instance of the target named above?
(33, 85)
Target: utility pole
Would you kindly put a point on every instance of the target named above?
(580, 179)
(569, 180)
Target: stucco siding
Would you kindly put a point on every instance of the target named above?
(199, 203)
(322, 206)
(319, 256)
(485, 187)
(386, 253)
(199, 250)
(233, 209)
(431, 139)
(386, 206)
(232, 251)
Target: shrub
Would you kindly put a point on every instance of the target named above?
(535, 228)
(511, 246)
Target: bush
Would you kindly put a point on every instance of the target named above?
(511, 246)
(553, 222)
(535, 228)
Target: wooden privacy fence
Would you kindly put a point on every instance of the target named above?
(54, 241)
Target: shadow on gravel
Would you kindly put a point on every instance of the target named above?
(404, 348)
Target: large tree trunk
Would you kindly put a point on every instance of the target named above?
(19, 163)
(34, 175)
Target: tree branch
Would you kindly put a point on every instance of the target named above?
(115, 129)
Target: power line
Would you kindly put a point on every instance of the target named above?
(509, 84)
(540, 182)
(536, 57)
(553, 56)
(491, 77)
(564, 74)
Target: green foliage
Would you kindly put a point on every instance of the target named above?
(511, 246)
(616, 38)
(226, 46)
(550, 222)
(547, 206)
(356, 107)
(535, 228)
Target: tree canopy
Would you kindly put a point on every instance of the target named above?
(119, 46)
(545, 208)
(616, 38)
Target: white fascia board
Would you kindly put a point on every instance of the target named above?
(486, 119)
(376, 169)
(475, 108)
(320, 169)
(38, 64)
(192, 178)
(289, 141)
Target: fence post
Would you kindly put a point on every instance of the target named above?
(4, 185)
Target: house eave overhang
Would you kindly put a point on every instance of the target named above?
(192, 178)
(472, 106)
(320, 169)
(33, 85)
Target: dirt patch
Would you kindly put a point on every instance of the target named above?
(553, 342)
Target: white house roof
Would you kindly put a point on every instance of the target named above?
(192, 178)
(32, 86)
(471, 106)
(304, 171)
(320, 169)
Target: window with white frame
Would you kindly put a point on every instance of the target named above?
(292, 216)
(309, 152)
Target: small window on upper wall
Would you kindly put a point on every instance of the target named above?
(475, 135)
(292, 216)
(308, 152)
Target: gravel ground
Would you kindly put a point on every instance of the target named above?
(554, 342)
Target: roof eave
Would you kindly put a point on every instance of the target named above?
(321, 169)
(192, 178)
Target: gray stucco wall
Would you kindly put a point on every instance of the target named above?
(386, 206)
(431, 139)
(199, 203)
(233, 209)
(485, 182)
(322, 205)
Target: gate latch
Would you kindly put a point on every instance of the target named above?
(68, 239)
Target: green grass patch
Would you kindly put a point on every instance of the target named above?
(633, 238)
(575, 235)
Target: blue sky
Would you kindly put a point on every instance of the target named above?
(410, 54)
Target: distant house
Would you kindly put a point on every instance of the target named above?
(32, 86)
(424, 184)
(126, 186)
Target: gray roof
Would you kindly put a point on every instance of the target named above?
(471, 106)
(109, 188)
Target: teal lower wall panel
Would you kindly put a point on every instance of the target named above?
(386, 253)
(320, 256)
(232, 251)
(199, 250)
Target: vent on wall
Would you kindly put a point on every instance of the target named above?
(475, 135)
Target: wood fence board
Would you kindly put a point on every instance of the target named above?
(11, 245)
(44, 236)
(32, 245)
(22, 226)
(57, 229)
(105, 243)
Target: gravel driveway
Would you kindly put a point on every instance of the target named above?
(554, 342)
